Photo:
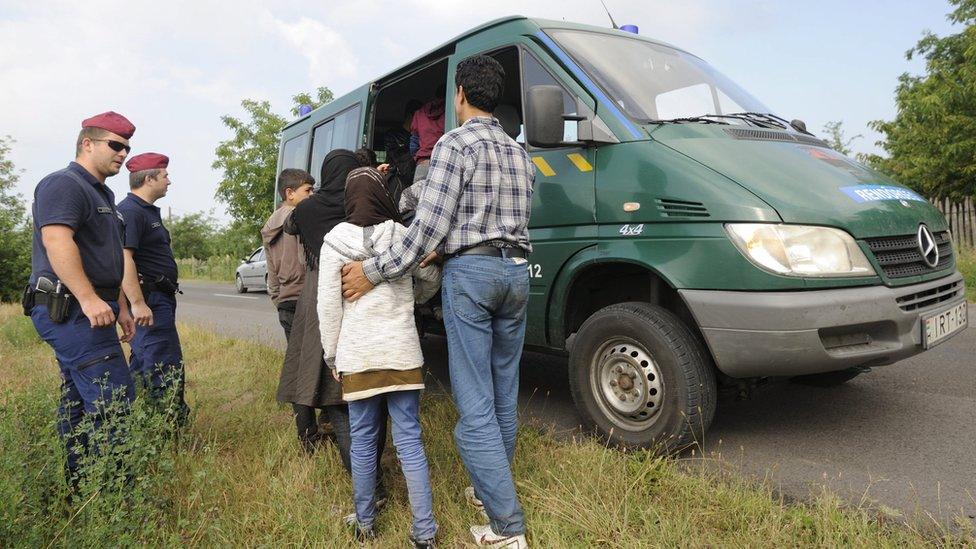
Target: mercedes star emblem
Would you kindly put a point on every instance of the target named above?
(928, 247)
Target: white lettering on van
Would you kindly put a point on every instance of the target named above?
(535, 270)
(631, 230)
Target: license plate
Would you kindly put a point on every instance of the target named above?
(944, 324)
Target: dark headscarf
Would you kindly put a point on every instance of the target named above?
(368, 202)
(315, 217)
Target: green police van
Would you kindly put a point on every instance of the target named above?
(686, 240)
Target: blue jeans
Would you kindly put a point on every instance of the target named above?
(365, 417)
(93, 373)
(157, 357)
(485, 300)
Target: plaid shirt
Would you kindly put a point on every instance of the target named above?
(479, 189)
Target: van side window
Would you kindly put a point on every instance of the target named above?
(534, 74)
(347, 130)
(293, 153)
(321, 145)
(342, 132)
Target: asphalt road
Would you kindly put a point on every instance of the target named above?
(903, 436)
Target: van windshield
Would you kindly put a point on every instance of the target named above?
(655, 83)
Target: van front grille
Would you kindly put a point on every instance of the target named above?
(681, 208)
(928, 298)
(899, 256)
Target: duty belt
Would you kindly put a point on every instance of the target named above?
(165, 286)
(42, 298)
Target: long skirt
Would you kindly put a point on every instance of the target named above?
(305, 379)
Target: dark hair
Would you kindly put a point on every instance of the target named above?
(367, 158)
(483, 81)
(89, 133)
(412, 107)
(292, 178)
(136, 179)
(441, 91)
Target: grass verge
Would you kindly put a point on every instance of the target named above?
(966, 262)
(237, 477)
(219, 268)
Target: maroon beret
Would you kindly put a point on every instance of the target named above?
(147, 161)
(111, 121)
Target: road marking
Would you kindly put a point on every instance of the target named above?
(237, 296)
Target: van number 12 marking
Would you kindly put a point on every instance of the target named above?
(535, 270)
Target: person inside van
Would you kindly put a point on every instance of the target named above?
(428, 126)
(399, 158)
(374, 348)
(305, 381)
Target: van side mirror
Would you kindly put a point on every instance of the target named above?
(545, 123)
(544, 116)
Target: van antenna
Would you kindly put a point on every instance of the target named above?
(612, 22)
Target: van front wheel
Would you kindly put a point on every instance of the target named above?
(641, 379)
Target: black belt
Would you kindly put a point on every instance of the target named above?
(493, 251)
(150, 286)
(107, 294)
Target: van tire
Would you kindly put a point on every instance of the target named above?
(828, 379)
(612, 353)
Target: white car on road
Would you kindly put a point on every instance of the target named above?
(252, 274)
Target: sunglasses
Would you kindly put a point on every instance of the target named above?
(115, 145)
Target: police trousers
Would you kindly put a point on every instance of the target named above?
(94, 375)
(157, 357)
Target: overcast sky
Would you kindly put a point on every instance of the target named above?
(175, 67)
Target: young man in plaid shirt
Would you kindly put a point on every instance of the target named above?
(474, 212)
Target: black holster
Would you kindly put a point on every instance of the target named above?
(58, 303)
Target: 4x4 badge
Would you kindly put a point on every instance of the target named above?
(631, 230)
(928, 247)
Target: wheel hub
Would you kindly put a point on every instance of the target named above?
(628, 382)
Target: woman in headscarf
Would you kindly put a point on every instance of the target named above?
(305, 381)
(373, 344)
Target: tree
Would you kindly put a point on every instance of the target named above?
(192, 235)
(236, 240)
(931, 143)
(15, 230)
(836, 138)
(249, 159)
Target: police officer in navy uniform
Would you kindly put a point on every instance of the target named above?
(150, 283)
(74, 297)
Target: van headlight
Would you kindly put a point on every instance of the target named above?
(800, 250)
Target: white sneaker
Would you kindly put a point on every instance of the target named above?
(484, 537)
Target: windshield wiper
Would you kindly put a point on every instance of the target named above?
(771, 119)
(705, 119)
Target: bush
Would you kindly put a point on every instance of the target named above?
(15, 231)
(119, 499)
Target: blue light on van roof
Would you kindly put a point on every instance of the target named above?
(629, 28)
(304, 109)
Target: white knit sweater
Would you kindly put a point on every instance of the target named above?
(377, 331)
